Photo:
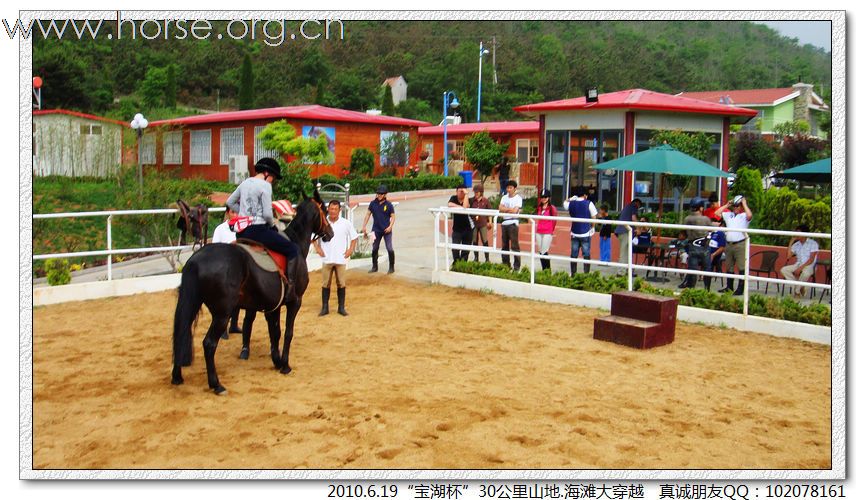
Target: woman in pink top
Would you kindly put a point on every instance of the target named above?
(545, 229)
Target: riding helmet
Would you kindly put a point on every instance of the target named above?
(382, 189)
(270, 166)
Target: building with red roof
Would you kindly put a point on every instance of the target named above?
(773, 106)
(577, 134)
(203, 145)
(75, 144)
(522, 139)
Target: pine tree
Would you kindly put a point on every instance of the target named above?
(246, 92)
(171, 87)
(387, 107)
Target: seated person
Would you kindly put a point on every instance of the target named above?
(679, 248)
(643, 239)
(805, 250)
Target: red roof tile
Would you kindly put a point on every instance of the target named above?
(765, 97)
(491, 127)
(77, 114)
(309, 112)
(640, 99)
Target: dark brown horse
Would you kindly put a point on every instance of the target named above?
(224, 277)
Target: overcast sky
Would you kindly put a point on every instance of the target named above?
(817, 33)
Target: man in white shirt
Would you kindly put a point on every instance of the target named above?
(223, 233)
(334, 257)
(736, 215)
(511, 203)
(805, 250)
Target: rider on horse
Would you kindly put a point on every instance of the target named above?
(252, 201)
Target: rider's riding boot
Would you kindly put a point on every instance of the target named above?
(374, 268)
(340, 295)
(391, 258)
(325, 298)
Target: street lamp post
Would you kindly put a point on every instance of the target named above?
(481, 54)
(139, 123)
(448, 98)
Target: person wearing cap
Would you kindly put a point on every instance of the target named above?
(579, 206)
(698, 246)
(546, 228)
(253, 200)
(462, 227)
(511, 203)
(383, 219)
(334, 257)
(482, 222)
(736, 215)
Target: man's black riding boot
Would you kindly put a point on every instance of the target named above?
(392, 258)
(374, 268)
(325, 298)
(741, 288)
(340, 295)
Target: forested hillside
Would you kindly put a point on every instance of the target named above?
(534, 61)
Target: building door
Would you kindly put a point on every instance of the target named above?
(583, 155)
(556, 166)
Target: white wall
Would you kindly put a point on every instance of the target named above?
(590, 120)
(684, 121)
(61, 149)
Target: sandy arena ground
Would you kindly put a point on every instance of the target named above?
(422, 377)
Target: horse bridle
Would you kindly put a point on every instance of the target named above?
(321, 222)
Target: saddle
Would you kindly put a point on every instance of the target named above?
(266, 259)
(194, 221)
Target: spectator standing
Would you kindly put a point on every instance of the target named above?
(698, 246)
(383, 219)
(334, 257)
(629, 214)
(511, 203)
(606, 233)
(504, 175)
(546, 228)
(805, 250)
(712, 208)
(717, 243)
(462, 226)
(482, 222)
(579, 206)
(736, 215)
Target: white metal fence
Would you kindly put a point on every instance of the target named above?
(441, 213)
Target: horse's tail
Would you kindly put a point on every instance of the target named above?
(189, 302)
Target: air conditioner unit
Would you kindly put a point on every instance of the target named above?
(238, 169)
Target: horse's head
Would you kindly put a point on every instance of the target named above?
(317, 216)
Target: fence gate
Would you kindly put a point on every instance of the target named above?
(334, 191)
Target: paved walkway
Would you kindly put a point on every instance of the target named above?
(413, 245)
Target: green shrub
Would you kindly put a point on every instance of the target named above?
(422, 182)
(748, 183)
(362, 162)
(295, 182)
(57, 272)
(783, 210)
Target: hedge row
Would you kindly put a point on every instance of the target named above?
(759, 305)
(422, 182)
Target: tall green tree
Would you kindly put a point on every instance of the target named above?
(387, 107)
(171, 87)
(246, 89)
(750, 150)
(152, 88)
(281, 137)
(484, 153)
(697, 145)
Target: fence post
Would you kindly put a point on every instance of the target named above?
(532, 265)
(436, 241)
(630, 258)
(447, 246)
(495, 231)
(108, 237)
(746, 274)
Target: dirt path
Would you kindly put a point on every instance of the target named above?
(422, 377)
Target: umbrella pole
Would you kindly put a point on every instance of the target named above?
(660, 209)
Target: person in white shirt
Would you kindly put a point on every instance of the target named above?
(334, 257)
(736, 215)
(511, 203)
(223, 233)
(805, 250)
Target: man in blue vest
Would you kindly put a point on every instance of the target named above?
(579, 206)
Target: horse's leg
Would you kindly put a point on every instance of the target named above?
(291, 310)
(273, 329)
(211, 340)
(248, 319)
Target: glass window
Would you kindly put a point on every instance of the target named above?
(147, 153)
(527, 151)
(456, 150)
(199, 147)
(230, 143)
(171, 148)
(260, 150)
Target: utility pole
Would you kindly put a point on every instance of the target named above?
(495, 77)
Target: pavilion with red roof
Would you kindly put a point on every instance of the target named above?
(576, 134)
(202, 145)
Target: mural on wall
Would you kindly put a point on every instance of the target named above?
(394, 148)
(329, 133)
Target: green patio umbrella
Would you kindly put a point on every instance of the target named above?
(819, 171)
(664, 160)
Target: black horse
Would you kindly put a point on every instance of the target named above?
(223, 277)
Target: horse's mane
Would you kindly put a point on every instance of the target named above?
(303, 219)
